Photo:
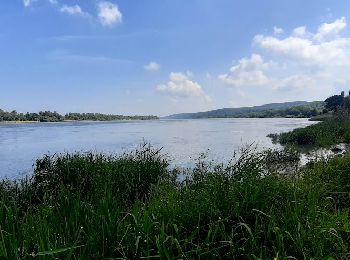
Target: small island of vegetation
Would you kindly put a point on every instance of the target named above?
(48, 116)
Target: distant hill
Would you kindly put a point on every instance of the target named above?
(286, 109)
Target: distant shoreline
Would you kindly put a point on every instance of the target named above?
(161, 118)
(71, 121)
(18, 122)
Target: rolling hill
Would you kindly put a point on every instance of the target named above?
(286, 109)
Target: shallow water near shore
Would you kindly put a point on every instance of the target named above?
(182, 140)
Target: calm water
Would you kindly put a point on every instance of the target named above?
(183, 140)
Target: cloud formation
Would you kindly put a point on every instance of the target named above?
(72, 10)
(109, 14)
(330, 30)
(152, 66)
(248, 72)
(303, 62)
(28, 3)
(181, 86)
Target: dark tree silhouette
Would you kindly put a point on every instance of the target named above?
(335, 102)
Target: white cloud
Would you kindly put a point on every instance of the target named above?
(181, 86)
(28, 3)
(109, 14)
(304, 63)
(330, 30)
(152, 66)
(277, 30)
(73, 10)
(248, 72)
(315, 49)
(300, 31)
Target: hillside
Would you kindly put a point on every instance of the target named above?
(286, 109)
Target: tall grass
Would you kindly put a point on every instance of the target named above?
(82, 206)
(331, 131)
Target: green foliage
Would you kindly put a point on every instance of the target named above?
(324, 134)
(338, 102)
(103, 117)
(334, 127)
(300, 109)
(130, 175)
(93, 206)
(48, 116)
(42, 116)
(335, 102)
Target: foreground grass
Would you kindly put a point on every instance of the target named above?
(331, 131)
(83, 206)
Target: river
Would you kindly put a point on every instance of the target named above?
(182, 140)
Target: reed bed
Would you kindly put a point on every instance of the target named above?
(132, 206)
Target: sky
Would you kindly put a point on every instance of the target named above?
(162, 57)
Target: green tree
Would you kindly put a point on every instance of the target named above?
(335, 102)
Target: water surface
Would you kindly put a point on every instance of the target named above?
(183, 140)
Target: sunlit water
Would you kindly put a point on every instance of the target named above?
(182, 140)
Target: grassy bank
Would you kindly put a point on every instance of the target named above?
(331, 131)
(82, 206)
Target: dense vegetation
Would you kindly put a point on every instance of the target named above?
(48, 116)
(42, 116)
(288, 109)
(326, 133)
(84, 206)
(334, 128)
(103, 117)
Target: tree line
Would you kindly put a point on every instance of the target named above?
(293, 112)
(48, 116)
(337, 103)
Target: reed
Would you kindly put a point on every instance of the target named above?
(324, 134)
(132, 206)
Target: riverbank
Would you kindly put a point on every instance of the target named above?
(324, 134)
(72, 121)
(133, 206)
(19, 122)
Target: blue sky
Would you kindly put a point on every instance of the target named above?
(168, 56)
